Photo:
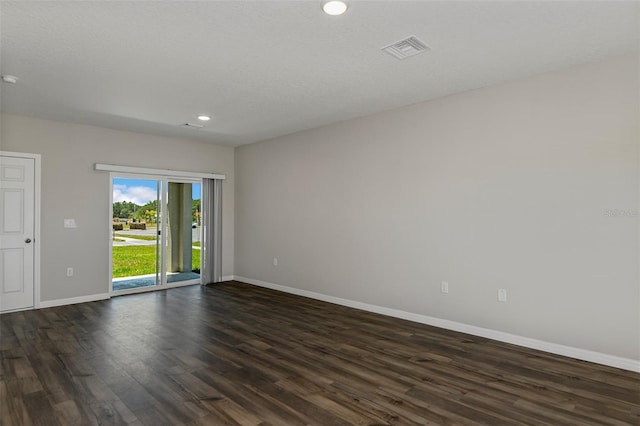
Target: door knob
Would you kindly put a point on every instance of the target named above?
(28, 240)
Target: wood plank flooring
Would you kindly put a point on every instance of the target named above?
(235, 354)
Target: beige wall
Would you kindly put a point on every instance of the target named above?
(71, 188)
(502, 187)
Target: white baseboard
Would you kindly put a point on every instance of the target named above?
(228, 278)
(554, 348)
(73, 300)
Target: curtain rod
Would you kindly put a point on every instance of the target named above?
(160, 172)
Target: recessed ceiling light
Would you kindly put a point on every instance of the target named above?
(203, 117)
(10, 79)
(334, 7)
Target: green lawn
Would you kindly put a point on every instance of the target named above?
(129, 261)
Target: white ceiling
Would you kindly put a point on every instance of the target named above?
(269, 68)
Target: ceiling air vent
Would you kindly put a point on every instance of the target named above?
(192, 125)
(402, 49)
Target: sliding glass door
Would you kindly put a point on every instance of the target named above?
(156, 233)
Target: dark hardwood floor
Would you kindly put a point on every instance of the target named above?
(237, 354)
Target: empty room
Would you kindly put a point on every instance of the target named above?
(316, 212)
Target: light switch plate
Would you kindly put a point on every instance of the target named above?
(70, 223)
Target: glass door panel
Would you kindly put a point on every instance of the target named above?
(196, 228)
(182, 239)
(135, 233)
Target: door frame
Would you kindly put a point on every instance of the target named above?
(37, 166)
(117, 170)
(162, 284)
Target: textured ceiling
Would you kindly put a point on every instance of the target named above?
(268, 68)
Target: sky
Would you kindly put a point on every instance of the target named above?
(141, 191)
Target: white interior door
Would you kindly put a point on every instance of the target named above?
(17, 202)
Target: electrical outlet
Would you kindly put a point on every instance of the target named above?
(502, 295)
(69, 272)
(444, 287)
(275, 261)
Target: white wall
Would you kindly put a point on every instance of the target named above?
(71, 188)
(502, 187)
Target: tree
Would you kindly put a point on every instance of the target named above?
(150, 215)
(195, 211)
(149, 212)
(117, 209)
(124, 209)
